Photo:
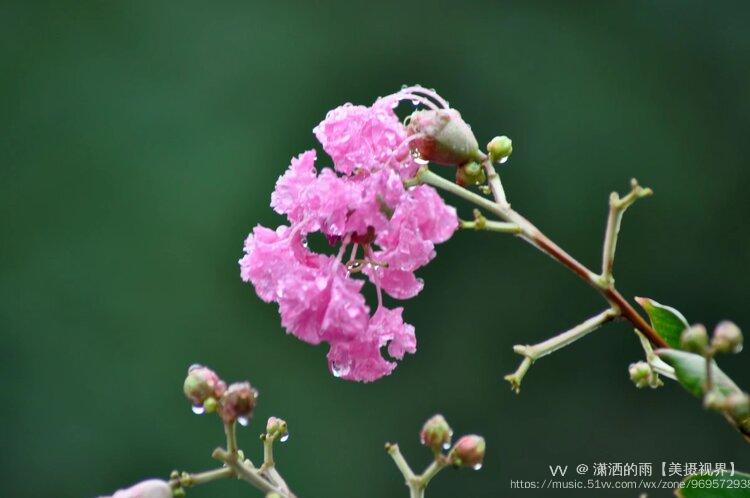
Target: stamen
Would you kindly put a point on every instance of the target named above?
(353, 255)
(418, 99)
(427, 92)
(344, 245)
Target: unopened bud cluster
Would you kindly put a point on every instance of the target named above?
(276, 428)
(442, 136)
(643, 375)
(726, 338)
(468, 451)
(209, 393)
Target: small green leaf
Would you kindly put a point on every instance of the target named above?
(690, 370)
(718, 486)
(667, 321)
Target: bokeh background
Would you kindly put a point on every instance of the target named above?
(140, 142)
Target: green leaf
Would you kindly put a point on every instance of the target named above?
(719, 486)
(667, 321)
(690, 370)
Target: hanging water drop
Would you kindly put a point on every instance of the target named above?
(284, 438)
(477, 466)
(504, 160)
(198, 409)
(338, 370)
(446, 445)
(244, 421)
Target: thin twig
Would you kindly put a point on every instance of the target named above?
(533, 353)
(535, 237)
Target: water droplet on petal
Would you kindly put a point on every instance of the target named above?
(284, 438)
(477, 466)
(194, 366)
(244, 421)
(339, 370)
(198, 409)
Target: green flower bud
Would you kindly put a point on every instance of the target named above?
(500, 148)
(727, 338)
(442, 137)
(436, 434)
(468, 452)
(471, 173)
(694, 339)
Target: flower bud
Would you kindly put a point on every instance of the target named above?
(202, 383)
(436, 434)
(727, 338)
(276, 427)
(152, 488)
(694, 339)
(471, 173)
(468, 452)
(500, 148)
(738, 404)
(643, 376)
(443, 137)
(238, 402)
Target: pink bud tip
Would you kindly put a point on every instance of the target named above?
(468, 452)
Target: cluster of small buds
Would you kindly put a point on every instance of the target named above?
(726, 338)
(209, 394)
(276, 428)
(643, 375)
(468, 451)
(203, 388)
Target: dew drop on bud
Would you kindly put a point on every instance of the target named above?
(243, 421)
(503, 161)
(446, 445)
(477, 466)
(194, 366)
(198, 409)
(284, 438)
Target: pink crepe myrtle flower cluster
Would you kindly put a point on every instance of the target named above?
(381, 229)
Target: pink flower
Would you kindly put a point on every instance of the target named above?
(361, 359)
(362, 207)
(359, 137)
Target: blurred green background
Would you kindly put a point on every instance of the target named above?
(140, 142)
